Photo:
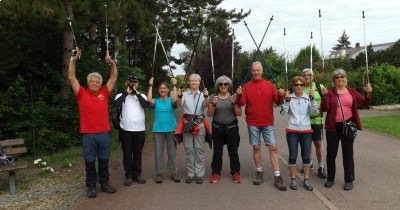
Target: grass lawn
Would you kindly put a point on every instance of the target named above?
(385, 124)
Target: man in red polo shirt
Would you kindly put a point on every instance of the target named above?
(94, 123)
(259, 96)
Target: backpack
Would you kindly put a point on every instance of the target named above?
(4, 158)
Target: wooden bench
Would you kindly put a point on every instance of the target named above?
(13, 147)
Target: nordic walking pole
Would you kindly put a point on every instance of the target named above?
(311, 46)
(154, 53)
(165, 52)
(73, 36)
(212, 60)
(106, 39)
(233, 54)
(286, 69)
(194, 48)
(322, 45)
(260, 55)
(265, 32)
(365, 46)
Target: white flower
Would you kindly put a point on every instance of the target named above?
(37, 161)
(70, 164)
(43, 163)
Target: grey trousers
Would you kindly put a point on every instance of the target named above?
(195, 155)
(159, 140)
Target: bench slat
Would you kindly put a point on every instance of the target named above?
(11, 142)
(15, 150)
(14, 166)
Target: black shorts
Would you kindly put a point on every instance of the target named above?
(317, 128)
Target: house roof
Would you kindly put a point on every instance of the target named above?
(353, 52)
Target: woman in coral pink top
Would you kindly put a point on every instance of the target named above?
(350, 100)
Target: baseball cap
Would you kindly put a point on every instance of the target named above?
(132, 78)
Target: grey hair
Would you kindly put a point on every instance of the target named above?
(94, 74)
(255, 63)
(195, 76)
(336, 73)
(221, 79)
(307, 69)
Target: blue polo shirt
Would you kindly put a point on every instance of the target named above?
(164, 115)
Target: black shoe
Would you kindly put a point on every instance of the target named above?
(91, 192)
(321, 172)
(329, 184)
(139, 180)
(159, 179)
(106, 187)
(348, 186)
(189, 180)
(175, 177)
(128, 182)
(199, 180)
(259, 178)
(278, 183)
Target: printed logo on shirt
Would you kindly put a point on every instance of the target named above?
(100, 97)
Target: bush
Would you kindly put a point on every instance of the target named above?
(385, 80)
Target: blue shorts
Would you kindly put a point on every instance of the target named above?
(268, 133)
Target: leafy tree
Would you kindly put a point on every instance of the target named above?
(302, 59)
(343, 42)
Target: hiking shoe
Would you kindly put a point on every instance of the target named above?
(348, 186)
(278, 183)
(189, 180)
(307, 185)
(293, 184)
(128, 182)
(329, 184)
(106, 187)
(259, 178)
(139, 180)
(199, 180)
(321, 172)
(236, 178)
(175, 177)
(91, 192)
(159, 179)
(214, 178)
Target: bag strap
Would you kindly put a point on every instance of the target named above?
(198, 99)
(341, 108)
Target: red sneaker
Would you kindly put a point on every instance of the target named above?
(236, 178)
(214, 178)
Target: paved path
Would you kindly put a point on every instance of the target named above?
(376, 185)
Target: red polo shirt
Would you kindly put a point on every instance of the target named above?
(93, 110)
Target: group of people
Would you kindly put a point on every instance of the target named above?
(303, 108)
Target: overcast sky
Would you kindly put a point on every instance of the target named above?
(300, 18)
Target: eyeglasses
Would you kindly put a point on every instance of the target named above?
(223, 84)
(134, 81)
(307, 75)
(340, 77)
(298, 85)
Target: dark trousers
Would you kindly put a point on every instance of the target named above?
(96, 146)
(230, 137)
(304, 140)
(132, 145)
(333, 139)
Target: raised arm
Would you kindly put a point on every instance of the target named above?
(150, 92)
(113, 72)
(205, 94)
(71, 72)
(174, 92)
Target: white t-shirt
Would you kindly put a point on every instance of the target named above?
(132, 116)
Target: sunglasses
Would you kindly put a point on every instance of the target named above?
(223, 84)
(298, 85)
(340, 77)
(134, 81)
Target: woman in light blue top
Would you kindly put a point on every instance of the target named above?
(164, 126)
(298, 107)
